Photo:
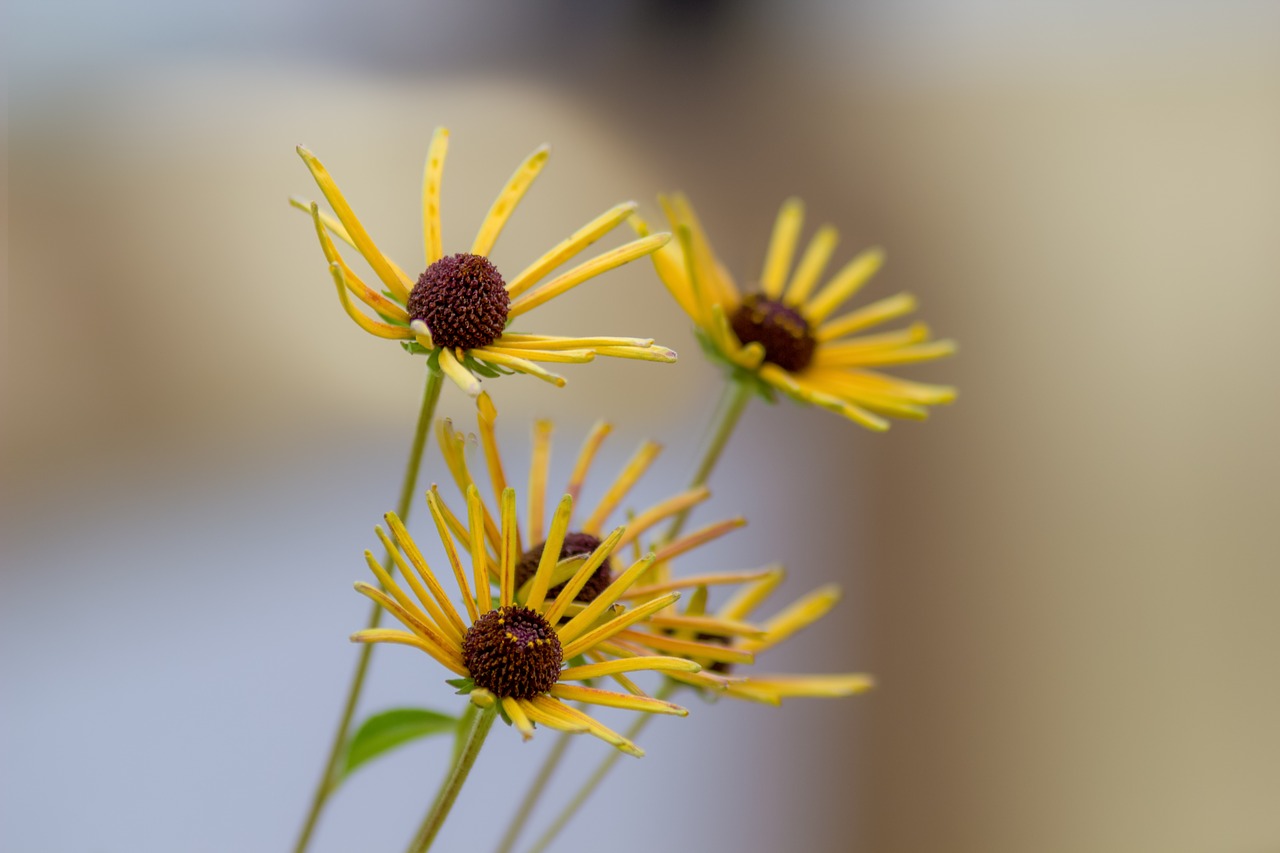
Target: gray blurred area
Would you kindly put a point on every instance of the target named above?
(1066, 583)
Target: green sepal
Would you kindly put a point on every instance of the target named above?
(415, 348)
(433, 360)
(463, 685)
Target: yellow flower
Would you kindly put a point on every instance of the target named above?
(783, 336)
(513, 651)
(740, 640)
(575, 541)
(458, 310)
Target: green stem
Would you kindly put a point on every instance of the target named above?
(733, 402)
(589, 787)
(328, 780)
(534, 793)
(463, 760)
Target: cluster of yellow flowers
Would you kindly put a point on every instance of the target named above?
(545, 613)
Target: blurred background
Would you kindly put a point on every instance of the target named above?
(1066, 583)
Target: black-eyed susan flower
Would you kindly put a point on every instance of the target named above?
(729, 629)
(520, 652)
(457, 312)
(784, 336)
(576, 540)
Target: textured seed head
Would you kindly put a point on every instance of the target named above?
(512, 652)
(463, 301)
(781, 330)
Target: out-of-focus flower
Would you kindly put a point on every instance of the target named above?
(458, 310)
(784, 337)
(513, 652)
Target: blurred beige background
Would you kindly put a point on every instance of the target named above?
(1066, 583)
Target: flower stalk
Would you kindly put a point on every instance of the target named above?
(464, 759)
(329, 778)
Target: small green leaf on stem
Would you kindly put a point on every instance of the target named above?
(387, 730)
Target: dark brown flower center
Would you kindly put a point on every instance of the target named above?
(781, 330)
(512, 651)
(463, 301)
(575, 545)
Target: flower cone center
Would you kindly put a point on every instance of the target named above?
(783, 333)
(512, 652)
(463, 300)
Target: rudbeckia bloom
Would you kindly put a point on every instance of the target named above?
(514, 651)
(575, 540)
(784, 337)
(728, 627)
(458, 310)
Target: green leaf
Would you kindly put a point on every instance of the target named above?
(387, 730)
